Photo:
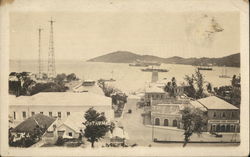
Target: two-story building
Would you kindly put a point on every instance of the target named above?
(58, 104)
(166, 115)
(222, 116)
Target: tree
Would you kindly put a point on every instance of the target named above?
(194, 120)
(96, 126)
(209, 87)
(71, 77)
(60, 78)
(195, 89)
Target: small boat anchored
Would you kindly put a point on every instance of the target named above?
(154, 69)
(205, 67)
(140, 63)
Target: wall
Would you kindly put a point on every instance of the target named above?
(109, 113)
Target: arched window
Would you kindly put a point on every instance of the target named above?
(232, 129)
(218, 128)
(165, 122)
(228, 128)
(174, 122)
(223, 128)
(213, 127)
(157, 121)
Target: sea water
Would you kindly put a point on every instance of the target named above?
(128, 78)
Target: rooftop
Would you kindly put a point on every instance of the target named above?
(30, 124)
(198, 105)
(214, 102)
(61, 99)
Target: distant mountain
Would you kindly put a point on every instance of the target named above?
(116, 57)
(129, 57)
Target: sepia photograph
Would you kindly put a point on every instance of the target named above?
(124, 78)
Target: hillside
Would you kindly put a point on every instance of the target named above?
(129, 57)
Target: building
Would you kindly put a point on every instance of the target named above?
(222, 116)
(155, 94)
(70, 128)
(88, 86)
(58, 105)
(118, 137)
(166, 115)
(28, 126)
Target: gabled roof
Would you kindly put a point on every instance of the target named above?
(198, 105)
(214, 102)
(30, 124)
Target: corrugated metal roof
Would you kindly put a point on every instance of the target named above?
(214, 102)
(30, 124)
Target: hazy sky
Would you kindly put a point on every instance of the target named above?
(85, 35)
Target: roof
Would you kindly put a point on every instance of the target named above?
(198, 105)
(62, 99)
(118, 132)
(92, 89)
(30, 124)
(214, 102)
(75, 122)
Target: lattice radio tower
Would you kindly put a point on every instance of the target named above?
(51, 57)
(39, 54)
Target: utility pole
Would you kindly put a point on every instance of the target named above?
(51, 57)
(39, 54)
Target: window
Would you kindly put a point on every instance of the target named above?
(222, 128)
(14, 115)
(70, 134)
(165, 122)
(157, 121)
(32, 113)
(213, 127)
(59, 114)
(68, 113)
(234, 114)
(214, 114)
(232, 128)
(223, 115)
(217, 128)
(174, 122)
(50, 114)
(24, 114)
(41, 112)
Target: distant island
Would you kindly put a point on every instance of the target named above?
(129, 57)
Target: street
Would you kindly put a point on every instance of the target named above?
(143, 135)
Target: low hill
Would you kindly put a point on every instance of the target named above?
(129, 57)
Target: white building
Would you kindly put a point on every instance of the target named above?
(58, 104)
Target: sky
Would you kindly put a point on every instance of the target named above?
(84, 35)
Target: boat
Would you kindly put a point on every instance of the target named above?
(154, 69)
(205, 68)
(144, 63)
(88, 83)
(138, 64)
(224, 73)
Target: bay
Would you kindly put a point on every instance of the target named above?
(128, 79)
